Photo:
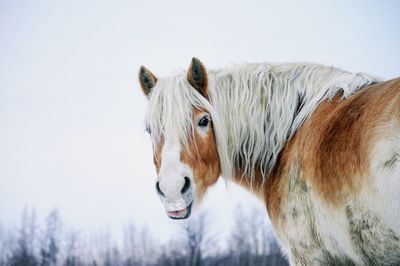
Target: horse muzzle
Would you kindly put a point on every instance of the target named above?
(178, 209)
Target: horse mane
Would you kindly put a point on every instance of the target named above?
(255, 108)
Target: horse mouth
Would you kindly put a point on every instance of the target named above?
(180, 214)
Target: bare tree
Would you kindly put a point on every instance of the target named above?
(252, 239)
(23, 254)
(112, 257)
(139, 246)
(72, 256)
(198, 240)
(130, 244)
(147, 247)
(6, 242)
(240, 242)
(50, 241)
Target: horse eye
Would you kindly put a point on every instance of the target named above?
(203, 122)
(148, 130)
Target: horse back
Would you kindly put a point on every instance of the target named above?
(338, 144)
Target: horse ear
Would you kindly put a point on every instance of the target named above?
(147, 80)
(197, 76)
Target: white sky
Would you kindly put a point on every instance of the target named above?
(71, 111)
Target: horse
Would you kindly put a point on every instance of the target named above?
(320, 146)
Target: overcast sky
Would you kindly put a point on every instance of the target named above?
(71, 112)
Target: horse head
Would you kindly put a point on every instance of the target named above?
(184, 147)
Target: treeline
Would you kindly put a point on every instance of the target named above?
(32, 244)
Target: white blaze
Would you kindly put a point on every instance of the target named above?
(172, 176)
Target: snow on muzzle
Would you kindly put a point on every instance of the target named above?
(178, 208)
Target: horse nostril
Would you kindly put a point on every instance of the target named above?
(186, 186)
(159, 190)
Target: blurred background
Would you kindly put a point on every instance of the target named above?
(76, 173)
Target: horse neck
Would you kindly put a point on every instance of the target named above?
(259, 107)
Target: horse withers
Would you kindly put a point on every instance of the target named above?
(319, 145)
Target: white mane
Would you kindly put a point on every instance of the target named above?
(255, 108)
